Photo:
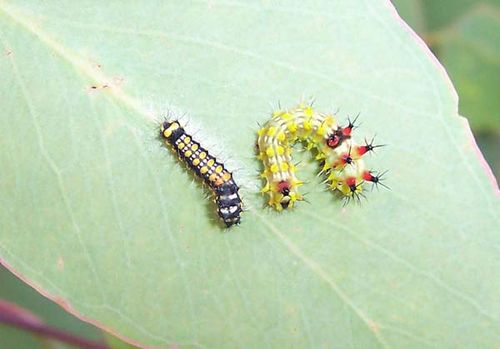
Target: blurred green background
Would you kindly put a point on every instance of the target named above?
(463, 34)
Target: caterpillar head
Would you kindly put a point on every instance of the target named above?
(286, 198)
(341, 134)
(171, 130)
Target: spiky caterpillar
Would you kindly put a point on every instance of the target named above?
(340, 154)
(204, 165)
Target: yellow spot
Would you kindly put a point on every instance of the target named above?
(180, 145)
(274, 168)
(271, 131)
(309, 111)
(307, 125)
(292, 168)
(261, 131)
(203, 155)
(321, 130)
(291, 126)
(212, 177)
(226, 176)
(270, 151)
(218, 169)
(194, 147)
(286, 116)
(196, 162)
(203, 170)
(284, 166)
(329, 120)
(167, 133)
(281, 136)
(210, 162)
(188, 153)
(280, 150)
(187, 140)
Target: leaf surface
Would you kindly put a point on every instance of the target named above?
(98, 216)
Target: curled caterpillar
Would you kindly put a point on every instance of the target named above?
(205, 166)
(340, 155)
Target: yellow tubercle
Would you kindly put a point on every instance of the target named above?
(270, 151)
(271, 131)
(329, 120)
(265, 189)
(321, 131)
(281, 136)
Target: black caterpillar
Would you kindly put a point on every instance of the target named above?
(213, 173)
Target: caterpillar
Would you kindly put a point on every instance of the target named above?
(340, 155)
(206, 166)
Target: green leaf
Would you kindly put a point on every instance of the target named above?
(15, 291)
(443, 13)
(97, 214)
(412, 11)
(471, 53)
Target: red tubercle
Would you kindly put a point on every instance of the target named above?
(367, 176)
(346, 159)
(362, 150)
(346, 131)
(351, 182)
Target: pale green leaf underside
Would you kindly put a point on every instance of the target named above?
(98, 215)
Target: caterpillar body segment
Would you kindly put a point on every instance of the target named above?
(207, 167)
(334, 147)
(279, 171)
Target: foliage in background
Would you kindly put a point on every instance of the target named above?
(465, 36)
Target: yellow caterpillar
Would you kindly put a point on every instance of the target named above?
(341, 156)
